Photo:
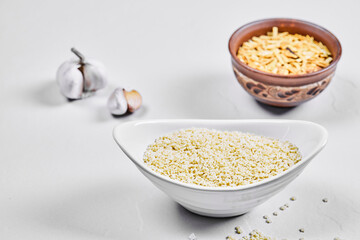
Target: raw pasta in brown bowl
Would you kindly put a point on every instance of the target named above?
(284, 62)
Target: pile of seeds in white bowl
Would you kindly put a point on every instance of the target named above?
(215, 158)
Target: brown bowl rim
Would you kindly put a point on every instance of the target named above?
(287, 77)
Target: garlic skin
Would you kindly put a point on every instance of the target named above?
(122, 101)
(117, 103)
(94, 75)
(133, 99)
(78, 78)
(70, 79)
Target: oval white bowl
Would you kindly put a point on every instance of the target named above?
(134, 137)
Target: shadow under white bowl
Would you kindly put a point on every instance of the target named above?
(134, 137)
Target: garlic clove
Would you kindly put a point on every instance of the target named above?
(95, 76)
(70, 79)
(117, 102)
(122, 101)
(134, 100)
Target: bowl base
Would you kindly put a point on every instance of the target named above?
(214, 214)
(278, 104)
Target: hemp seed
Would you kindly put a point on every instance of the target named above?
(230, 238)
(238, 230)
(192, 236)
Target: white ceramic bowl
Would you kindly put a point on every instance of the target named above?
(134, 137)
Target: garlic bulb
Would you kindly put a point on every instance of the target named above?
(122, 101)
(78, 78)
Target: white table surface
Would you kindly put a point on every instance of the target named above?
(62, 175)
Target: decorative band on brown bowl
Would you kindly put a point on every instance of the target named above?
(283, 90)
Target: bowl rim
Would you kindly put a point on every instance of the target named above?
(265, 182)
(287, 77)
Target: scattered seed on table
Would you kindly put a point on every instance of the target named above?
(286, 205)
(238, 230)
(265, 216)
(230, 238)
(275, 213)
(268, 221)
(282, 208)
(293, 198)
(337, 238)
(301, 230)
(325, 200)
(301, 238)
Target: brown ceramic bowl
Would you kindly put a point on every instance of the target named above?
(283, 90)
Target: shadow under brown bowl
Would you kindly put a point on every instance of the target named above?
(283, 90)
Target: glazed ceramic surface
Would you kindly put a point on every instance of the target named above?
(283, 90)
(134, 137)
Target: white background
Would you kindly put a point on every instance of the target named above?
(62, 175)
